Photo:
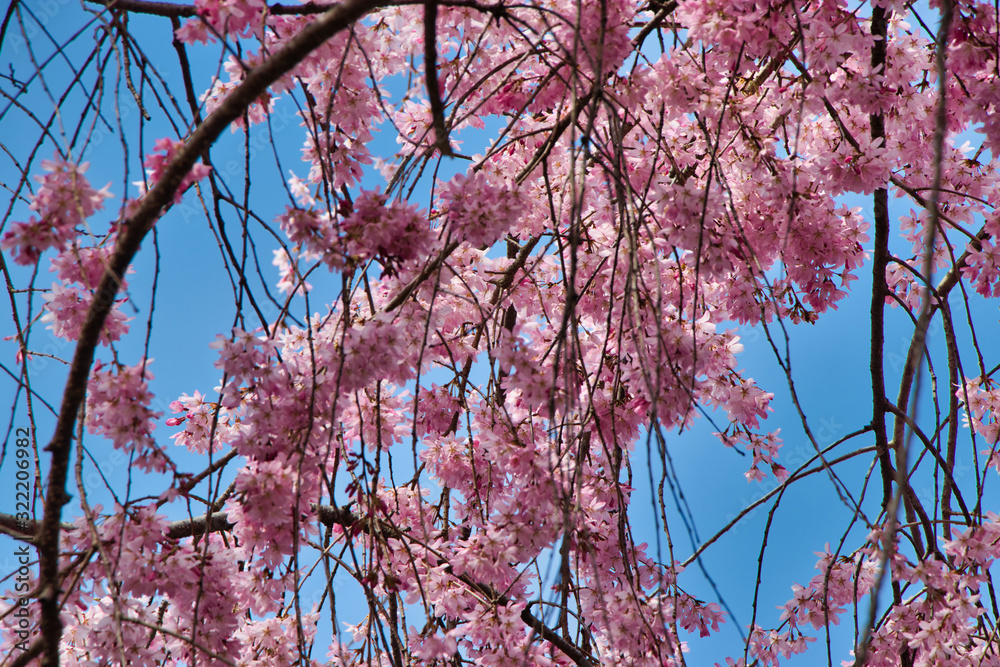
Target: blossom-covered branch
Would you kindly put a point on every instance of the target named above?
(471, 276)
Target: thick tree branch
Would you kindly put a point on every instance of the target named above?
(217, 522)
(880, 260)
(431, 77)
(133, 231)
(570, 650)
(175, 10)
(171, 9)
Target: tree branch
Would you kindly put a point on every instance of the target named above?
(880, 260)
(570, 650)
(217, 522)
(171, 9)
(343, 516)
(431, 77)
(175, 10)
(133, 231)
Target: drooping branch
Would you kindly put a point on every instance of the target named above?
(571, 651)
(176, 10)
(880, 289)
(133, 231)
(424, 274)
(170, 9)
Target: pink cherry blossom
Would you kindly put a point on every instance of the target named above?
(117, 408)
(156, 163)
(63, 201)
(457, 405)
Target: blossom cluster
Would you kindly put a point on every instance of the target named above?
(66, 306)
(164, 151)
(118, 399)
(478, 212)
(206, 424)
(63, 201)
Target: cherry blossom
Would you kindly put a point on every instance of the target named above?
(63, 201)
(506, 259)
(117, 408)
(156, 163)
